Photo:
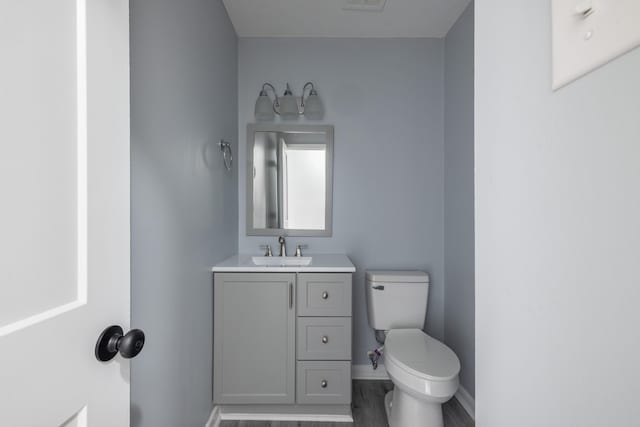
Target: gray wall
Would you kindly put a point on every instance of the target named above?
(385, 99)
(557, 230)
(184, 204)
(459, 297)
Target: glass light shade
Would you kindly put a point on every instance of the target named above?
(313, 107)
(289, 107)
(264, 108)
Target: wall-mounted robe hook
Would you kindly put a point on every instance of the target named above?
(227, 154)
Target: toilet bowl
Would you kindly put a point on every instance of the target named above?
(424, 372)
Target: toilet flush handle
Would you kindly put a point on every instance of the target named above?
(378, 287)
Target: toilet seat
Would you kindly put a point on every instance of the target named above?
(421, 356)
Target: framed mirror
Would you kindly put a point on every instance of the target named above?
(289, 180)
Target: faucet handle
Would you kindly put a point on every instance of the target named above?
(299, 249)
(267, 249)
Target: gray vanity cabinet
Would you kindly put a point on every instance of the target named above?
(254, 338)
(282, 338)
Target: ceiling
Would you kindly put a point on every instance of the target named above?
(326, 18)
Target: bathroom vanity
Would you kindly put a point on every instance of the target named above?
(282, 338)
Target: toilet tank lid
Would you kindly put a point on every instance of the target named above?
(397, 276)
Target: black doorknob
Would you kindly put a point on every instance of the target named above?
(111, 341)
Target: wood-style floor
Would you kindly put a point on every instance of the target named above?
(368, 411)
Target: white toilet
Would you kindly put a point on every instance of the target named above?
(424, 371)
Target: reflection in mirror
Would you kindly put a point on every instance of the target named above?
(290, 182)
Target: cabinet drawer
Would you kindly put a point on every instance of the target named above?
(324, 338)
(324, 294)
(323, 383)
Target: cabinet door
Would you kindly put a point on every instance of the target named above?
(254, 338)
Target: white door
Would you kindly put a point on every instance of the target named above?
(64, 210)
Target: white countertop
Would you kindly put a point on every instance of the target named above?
(321, 263)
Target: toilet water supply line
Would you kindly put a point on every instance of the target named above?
(374, 356)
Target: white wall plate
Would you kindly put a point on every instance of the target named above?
(589, 33)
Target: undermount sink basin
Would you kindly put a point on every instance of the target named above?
(282, 261)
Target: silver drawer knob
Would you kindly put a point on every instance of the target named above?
(325, 295)
(324, 384)
(325, 339)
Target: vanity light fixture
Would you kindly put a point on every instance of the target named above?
(289, 106)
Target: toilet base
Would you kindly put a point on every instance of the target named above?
(404, 410)
(387, 403)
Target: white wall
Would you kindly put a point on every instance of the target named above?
(184, 204)
(385, 99)
(459, 307)
(557, 230)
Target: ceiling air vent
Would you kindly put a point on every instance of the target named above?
(369, 5)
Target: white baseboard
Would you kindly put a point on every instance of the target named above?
(467, 401)
(214, 418)
(308, 413)
(366, 372)
(317, 418)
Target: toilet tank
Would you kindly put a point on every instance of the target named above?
(396, 299)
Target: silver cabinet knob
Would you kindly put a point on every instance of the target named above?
(324, 384)
(325, 339)
(325, 295)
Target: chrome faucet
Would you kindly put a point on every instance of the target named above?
(283, 246)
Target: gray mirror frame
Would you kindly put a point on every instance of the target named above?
(259, 127)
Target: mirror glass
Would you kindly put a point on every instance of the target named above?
(289, 183)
